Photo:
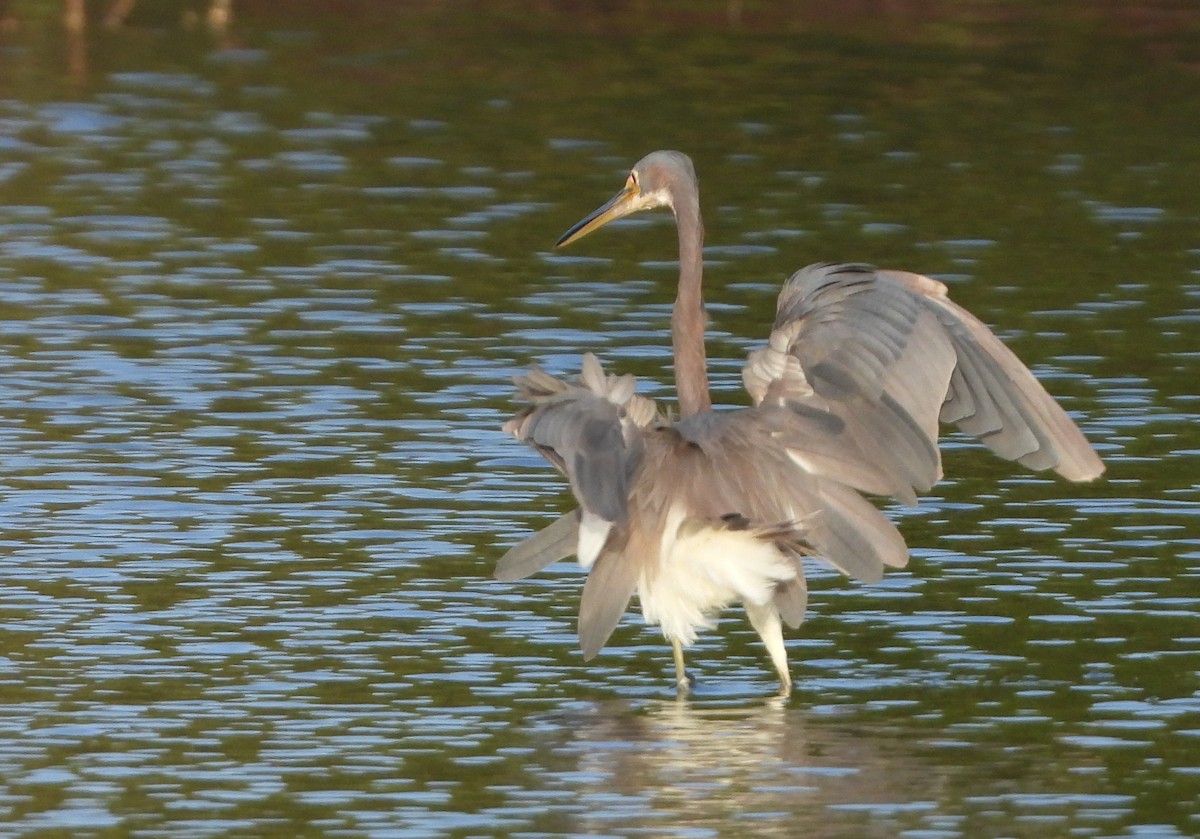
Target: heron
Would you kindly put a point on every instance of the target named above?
(699, 509)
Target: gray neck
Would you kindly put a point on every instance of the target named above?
(688, 318)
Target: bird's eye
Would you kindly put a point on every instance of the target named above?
(633, 180)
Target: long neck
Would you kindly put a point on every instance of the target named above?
(688, 319)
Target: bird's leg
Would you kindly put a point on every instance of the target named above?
(765, 620)
(682, 677)
(785, 685)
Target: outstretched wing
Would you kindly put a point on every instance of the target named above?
(587, 431)
(890, 355)
(592, 433)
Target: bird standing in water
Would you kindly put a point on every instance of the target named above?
(712, 508)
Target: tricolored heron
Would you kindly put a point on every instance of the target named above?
(714, 507)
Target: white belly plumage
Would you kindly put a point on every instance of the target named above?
(702, 570)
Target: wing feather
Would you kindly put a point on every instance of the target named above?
(553, 542)
(891, 355)
(792, 599)
(739, 464)
(1060, 445)
(606, 594)
(854, 536)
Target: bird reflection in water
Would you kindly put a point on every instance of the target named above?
(719, 766)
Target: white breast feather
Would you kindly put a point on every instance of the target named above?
(704, 570)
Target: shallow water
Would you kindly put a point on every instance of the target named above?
(262, 294)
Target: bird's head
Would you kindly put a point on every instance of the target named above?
(657, 180)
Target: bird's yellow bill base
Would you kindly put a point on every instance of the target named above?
(621, 204)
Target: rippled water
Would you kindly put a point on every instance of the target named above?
(262, 293)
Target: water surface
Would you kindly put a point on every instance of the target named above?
(262, 294)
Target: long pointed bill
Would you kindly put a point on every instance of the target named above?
(621, 204)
